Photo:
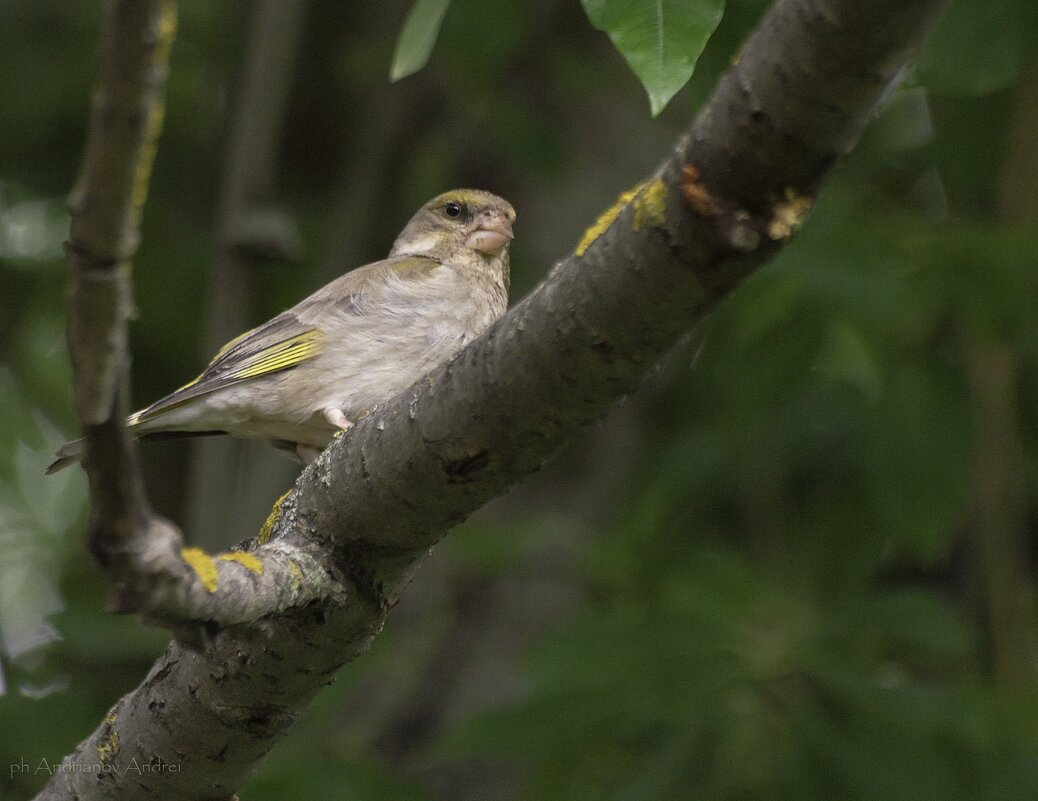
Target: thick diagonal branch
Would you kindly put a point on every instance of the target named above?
(731, 193)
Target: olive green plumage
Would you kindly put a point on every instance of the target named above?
(301, 377)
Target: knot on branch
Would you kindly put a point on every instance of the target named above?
(738, 228)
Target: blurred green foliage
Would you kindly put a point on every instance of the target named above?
(781, 571)
(417, 37)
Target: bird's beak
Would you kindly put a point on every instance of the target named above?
(491, 236)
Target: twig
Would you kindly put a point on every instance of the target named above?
(250, 230)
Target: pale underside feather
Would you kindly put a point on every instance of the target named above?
(318, 354)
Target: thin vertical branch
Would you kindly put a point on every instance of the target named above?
(250, 229)
(106, 207)
(999, 472)
(998, 475)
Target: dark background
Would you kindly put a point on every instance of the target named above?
(797, 564)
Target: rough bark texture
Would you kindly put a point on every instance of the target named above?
(733, 191)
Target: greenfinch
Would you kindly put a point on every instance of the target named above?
(308, 373)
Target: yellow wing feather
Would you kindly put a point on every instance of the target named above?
(288, 354)
(241, 359)
(290, 338)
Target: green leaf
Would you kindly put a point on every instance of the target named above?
(660, 39)
(417, 38)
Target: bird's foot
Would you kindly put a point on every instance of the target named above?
(338, 419)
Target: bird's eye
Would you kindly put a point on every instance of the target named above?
(452, 209)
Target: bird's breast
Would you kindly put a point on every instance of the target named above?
(369, 357)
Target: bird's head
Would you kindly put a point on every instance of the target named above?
(460, 219)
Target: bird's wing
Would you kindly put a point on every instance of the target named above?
(294, 336)
(280, 344)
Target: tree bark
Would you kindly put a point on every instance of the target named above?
(732, 192)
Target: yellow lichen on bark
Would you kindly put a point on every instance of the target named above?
(606, 219)
(203, 565)
(268, 525)
(788, 214)
(110, 746)
(246, 560)
(167, 29)
(297, 575)
(650, 209)
(650, 205)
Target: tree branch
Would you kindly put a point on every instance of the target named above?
(105, 210)
(732, 192)
(154, 574)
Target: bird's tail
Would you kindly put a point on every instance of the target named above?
(68, 454)
(72, 452)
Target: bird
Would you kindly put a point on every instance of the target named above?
(306, 375)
